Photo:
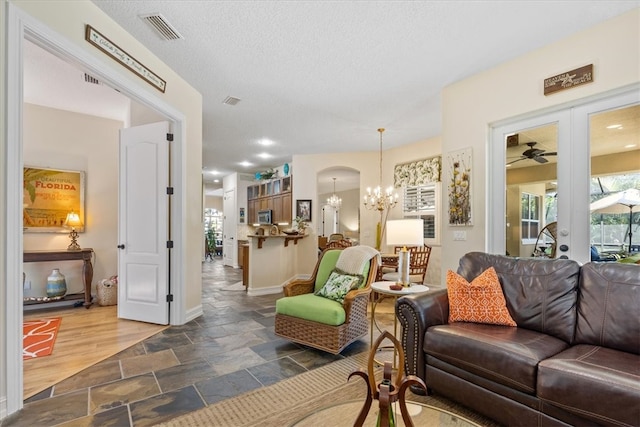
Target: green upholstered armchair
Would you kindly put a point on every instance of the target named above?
(320, 322)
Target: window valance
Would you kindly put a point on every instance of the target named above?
(418, 172)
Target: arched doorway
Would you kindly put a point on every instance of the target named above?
(341, 218)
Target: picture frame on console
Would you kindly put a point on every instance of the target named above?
(48, 196)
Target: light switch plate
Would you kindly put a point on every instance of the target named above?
(459, 235)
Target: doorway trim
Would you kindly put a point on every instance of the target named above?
(21, 26)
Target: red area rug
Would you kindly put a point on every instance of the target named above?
(39, 337)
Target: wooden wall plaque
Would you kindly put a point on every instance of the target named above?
(568, 79)
(114, 51)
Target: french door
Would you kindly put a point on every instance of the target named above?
(540, 174)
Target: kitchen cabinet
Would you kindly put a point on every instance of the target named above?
(274, 195)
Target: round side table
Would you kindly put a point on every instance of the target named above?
(381, 291)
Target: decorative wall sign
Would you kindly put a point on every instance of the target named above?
(107, 46)
(570, 79)
(48, 196)
(459, 164)
(420, 172)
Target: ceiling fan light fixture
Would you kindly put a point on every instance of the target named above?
(534, 154)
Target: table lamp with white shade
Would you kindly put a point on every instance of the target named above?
(405, 232)
(73, 221)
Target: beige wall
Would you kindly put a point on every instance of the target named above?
(60, 139)
(515, 88)
(349, 212)
(213, 202)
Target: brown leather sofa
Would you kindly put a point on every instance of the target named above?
(573, 359)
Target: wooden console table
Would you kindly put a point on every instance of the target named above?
(83, 255)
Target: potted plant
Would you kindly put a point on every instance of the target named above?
(301, 224)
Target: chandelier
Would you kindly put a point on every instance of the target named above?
(334, 200)
(375, 199)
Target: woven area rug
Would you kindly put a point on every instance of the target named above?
(39, 336)
(287, 401)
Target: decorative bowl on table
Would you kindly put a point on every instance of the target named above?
(396, 287)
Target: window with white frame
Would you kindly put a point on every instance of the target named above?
(530, 217)
(421, 201)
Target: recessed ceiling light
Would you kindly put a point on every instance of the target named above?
(216, 181)
(616, 126)
(246, 164)
(264, 155)
(265, 142)
(630, 145)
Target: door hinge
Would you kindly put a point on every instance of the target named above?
(169, 244)
(170, 137)
(169, 190)
(170, 298)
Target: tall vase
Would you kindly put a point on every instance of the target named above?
(56, 284)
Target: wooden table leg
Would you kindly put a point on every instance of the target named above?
(87, 278)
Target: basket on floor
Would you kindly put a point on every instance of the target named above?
(107, 290)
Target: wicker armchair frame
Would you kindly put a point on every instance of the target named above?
(332, 339)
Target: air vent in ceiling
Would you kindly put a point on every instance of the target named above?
(164, 29)
(230, 100)
(90, 79)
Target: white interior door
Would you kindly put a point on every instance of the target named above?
(143, 282)
(229, 228)
(330, 221)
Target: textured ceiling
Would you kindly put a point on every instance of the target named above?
(322, 76)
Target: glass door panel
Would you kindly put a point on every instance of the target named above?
(614, 139)
(531, 191)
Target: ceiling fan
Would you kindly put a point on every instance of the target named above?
(534, 154)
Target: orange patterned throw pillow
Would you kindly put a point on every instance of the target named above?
(480, 301)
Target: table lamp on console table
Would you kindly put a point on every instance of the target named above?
(405, 232)
(73, 221)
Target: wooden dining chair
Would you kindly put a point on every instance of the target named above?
(418, 263)
(339, 244)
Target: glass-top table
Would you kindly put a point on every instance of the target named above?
(344, 414)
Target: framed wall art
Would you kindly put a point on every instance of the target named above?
(48, 196)
(303, 209)
(459, 164)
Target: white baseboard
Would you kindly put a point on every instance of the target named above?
(264, 291)
(275, 289)
(194, 313)
(3, 408)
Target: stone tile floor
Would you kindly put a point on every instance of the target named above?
(229, 350)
